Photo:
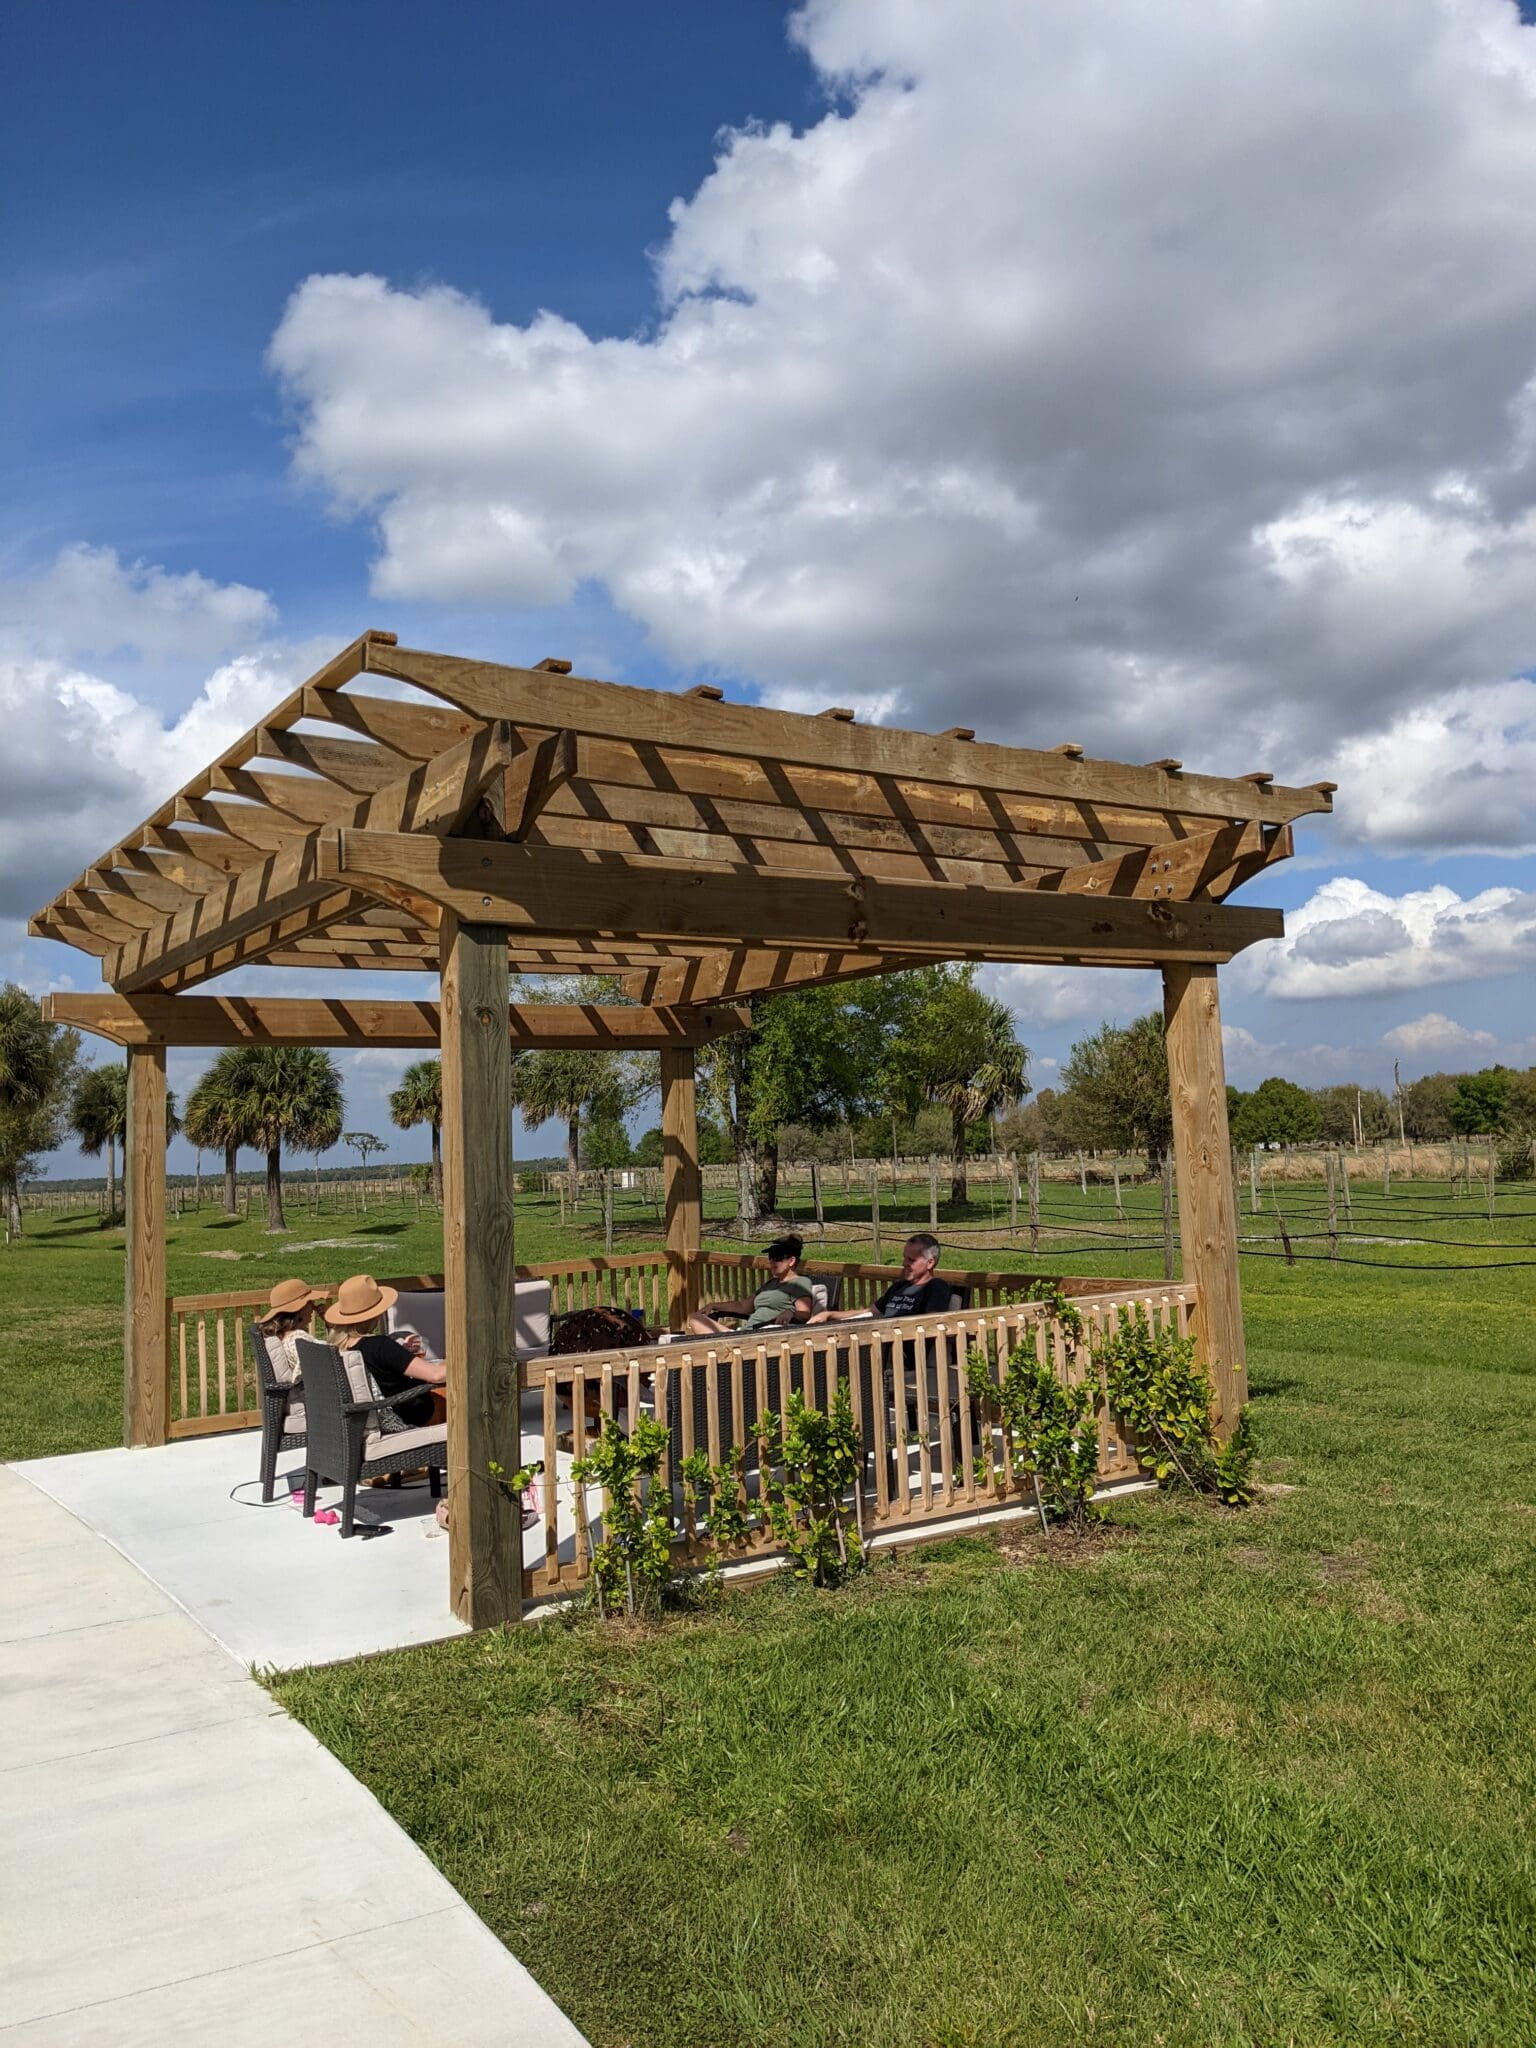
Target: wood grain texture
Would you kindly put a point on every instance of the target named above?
(430, 797)
(682, 1183)
(619, 711)
(1203, 1159)
(145, 1364)
(281, 1020)
(560, 891)
(484, 1533)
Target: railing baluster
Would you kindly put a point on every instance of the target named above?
(967, 1448)
(946, 1373)
(924, 1454)
(876, 1355)
(685, 1399)
(552, 1483)
(578, 1410)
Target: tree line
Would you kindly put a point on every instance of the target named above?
(922, 1062)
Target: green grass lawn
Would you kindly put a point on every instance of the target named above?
(1219, 1779)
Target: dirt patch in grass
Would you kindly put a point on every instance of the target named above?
(1060, 1547)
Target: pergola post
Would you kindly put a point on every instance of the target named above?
(485, 1543)
(144, 1365)
(1203, 1160)
(682, 1183)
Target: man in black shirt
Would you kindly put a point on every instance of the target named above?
(919, 1292)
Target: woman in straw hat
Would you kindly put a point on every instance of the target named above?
(355, 1317)
(290, 1311)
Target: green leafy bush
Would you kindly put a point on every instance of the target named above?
(1049, 1428)
(1163, 1397)
(817, 1465)
(634, 1557)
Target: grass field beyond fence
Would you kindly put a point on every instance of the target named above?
(1220, 1779)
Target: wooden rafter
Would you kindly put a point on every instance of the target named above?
(267, 1020)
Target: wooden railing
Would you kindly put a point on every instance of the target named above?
(211, 1382)
(932, 1449)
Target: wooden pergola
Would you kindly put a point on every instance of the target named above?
(500, 821)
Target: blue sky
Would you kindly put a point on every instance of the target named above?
(1042, 372)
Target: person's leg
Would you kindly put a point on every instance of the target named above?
(705, 1326)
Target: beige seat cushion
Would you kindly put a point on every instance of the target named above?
(293, 1419)
(422, 1313)
(283, 1356)
(359, 1386)
(363, 1389)
(384, 1444)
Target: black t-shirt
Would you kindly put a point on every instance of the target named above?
(928, 1297)
(386, 1359)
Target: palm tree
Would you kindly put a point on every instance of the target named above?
(292, 1093)
(546, 1085)
(38, 1063)
(214, 1114)
(98, 1116)
(419, 1100)
(963, 1051)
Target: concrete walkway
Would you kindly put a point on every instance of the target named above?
(184, 1863)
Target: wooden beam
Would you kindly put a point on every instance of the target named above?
(698, 791)
(1203, 1158)
(420, 732)
(485, 1538)
(531, 779)
(145, 1369)
(262, 899)
(664, 720)
(549, 890)
(358, 765)
(1207, 865)
(279, 1020)
(757, 970)
(682, 1182)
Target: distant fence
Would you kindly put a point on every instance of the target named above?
(1459, 1161)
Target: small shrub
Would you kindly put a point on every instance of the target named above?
(1163, 1397)
(634, 1557)
(818, 1464)
(717, 1494)
(1051, 1432)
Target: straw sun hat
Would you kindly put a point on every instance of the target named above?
(286, 1299)
(359, 1300)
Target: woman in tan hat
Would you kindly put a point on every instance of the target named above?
(290, 1311)
(355, 1316)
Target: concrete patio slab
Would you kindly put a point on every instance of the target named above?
(184, 1862)
(275, 1590)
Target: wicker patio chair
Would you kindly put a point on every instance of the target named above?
(346, 1438)
(282, 1410)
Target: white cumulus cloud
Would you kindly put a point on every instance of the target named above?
(88, 752)
(88, 602)
(1436, 1036)
(1159, 378)
(85, 760)
(1349, 939)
